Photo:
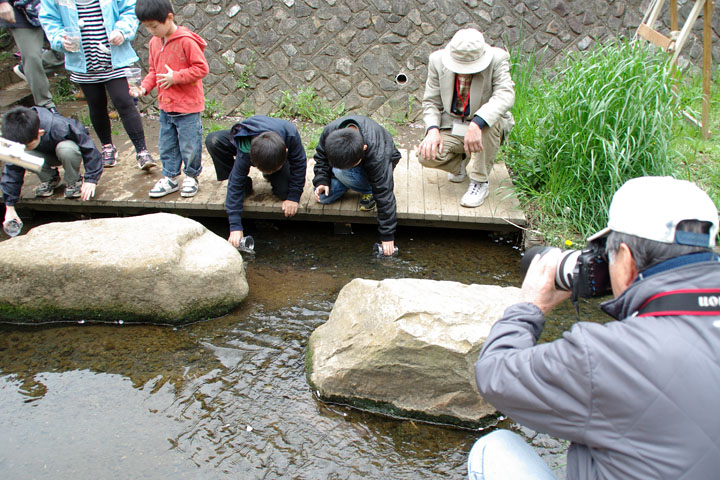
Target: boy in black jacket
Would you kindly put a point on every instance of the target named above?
(273, 146)
(355, 153)
(59, 141)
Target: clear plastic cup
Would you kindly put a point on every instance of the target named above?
(134, 79)
(13, 227)
(247, 244)
(72, 36)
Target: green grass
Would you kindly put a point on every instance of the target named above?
(583, 129)
(213, 109)
(304, 104)
(64, 91)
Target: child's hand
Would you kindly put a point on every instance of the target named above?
(137, 91)
(166, 79)
(388, 248)
(289, 208)
(6, 12)
(87, 191)
(116, 38)
(235, 237)
(11, 214)
(321, 189)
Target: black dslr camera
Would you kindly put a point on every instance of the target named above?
(582, 272)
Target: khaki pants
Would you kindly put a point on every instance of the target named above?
(67, 154)
(451, 156)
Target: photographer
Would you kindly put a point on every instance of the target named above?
(638, 397)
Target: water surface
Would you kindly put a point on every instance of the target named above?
(227, 398)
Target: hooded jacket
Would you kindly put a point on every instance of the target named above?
(638, 397)
(379, 160)
(296, 158)
(184, 53)
(57, 129)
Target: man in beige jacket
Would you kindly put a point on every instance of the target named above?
(466, 110)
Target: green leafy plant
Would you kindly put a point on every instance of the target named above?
(606, 116)
(213, 109)
(304, 104)
(64, 91)
(242, 79)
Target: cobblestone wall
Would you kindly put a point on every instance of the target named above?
(371, 55)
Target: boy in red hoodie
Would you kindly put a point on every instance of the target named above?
(177, 66)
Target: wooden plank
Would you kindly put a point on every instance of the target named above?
(425, 197)
(450, 194)
(400, 189)
(654, 37)
(431, 194)
(416, 204)
(707, 65)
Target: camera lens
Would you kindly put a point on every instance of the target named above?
(565, 266)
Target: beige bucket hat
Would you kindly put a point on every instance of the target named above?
(467, 52)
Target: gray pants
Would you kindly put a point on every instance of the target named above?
(67, 154)
(451, 156)
(36, 63)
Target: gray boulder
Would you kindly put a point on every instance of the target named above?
(407, 348)
(159, 268)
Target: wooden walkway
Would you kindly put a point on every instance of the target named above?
(424, 197)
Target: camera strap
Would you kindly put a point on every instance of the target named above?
(703, 301)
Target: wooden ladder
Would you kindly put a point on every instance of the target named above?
(675, 42)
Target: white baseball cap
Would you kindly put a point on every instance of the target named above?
(652, 208)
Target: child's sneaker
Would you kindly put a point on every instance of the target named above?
(109, 155)
(74, 190)
(145, 161)
(190, 187)
(46, 189)
(163, 187)
(367, 202)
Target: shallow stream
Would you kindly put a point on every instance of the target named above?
(227, 397)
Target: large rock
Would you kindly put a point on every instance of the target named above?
(159, 268)
(407, 348)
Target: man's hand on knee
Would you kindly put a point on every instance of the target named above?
(473, 139)
(431, 145)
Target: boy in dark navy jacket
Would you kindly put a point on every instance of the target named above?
(59, 141)
(271, 145)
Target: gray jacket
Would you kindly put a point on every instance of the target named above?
(639, 398)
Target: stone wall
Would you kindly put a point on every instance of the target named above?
(371, 55)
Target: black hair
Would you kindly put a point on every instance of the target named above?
(20, 124)
(647, 253)
(148, 10)
(268, 152)
(344, 148)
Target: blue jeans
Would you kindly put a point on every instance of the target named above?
(180, 143)
(503, 454)
(352, 179)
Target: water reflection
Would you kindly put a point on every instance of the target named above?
(227, 398)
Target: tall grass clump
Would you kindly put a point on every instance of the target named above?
(304, 104)
(604, 117)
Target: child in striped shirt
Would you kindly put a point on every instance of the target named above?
(99, 63)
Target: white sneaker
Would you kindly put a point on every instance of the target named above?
(460, 176)
(189, 187)
(476, 194)
(163, 187)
